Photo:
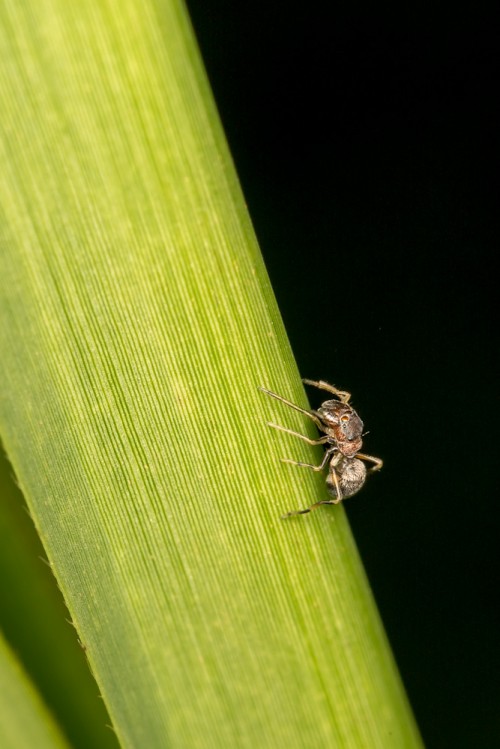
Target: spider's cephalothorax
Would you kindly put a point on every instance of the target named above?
(341, 422)
(343, 438)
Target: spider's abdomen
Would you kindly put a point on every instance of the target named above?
(351, 475)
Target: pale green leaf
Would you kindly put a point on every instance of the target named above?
(138, 322)
(25, 721)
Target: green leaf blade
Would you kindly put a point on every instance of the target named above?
(25, 721)
(140, 322)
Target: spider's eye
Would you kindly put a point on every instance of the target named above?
(344, 418)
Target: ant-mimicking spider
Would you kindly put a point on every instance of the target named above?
(342, 435)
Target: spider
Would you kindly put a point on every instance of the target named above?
(342, 435)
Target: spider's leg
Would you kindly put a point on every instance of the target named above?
(311, 414)
(343, 395)
(307, 509)
(377, 461)
(319, 441)
(327, 456)
(335, 481)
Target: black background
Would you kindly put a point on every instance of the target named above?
(365, 143)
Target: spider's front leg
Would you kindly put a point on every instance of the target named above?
(310, 414)
(342, 395)
(319, 441)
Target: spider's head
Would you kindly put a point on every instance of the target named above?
(344, 425)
